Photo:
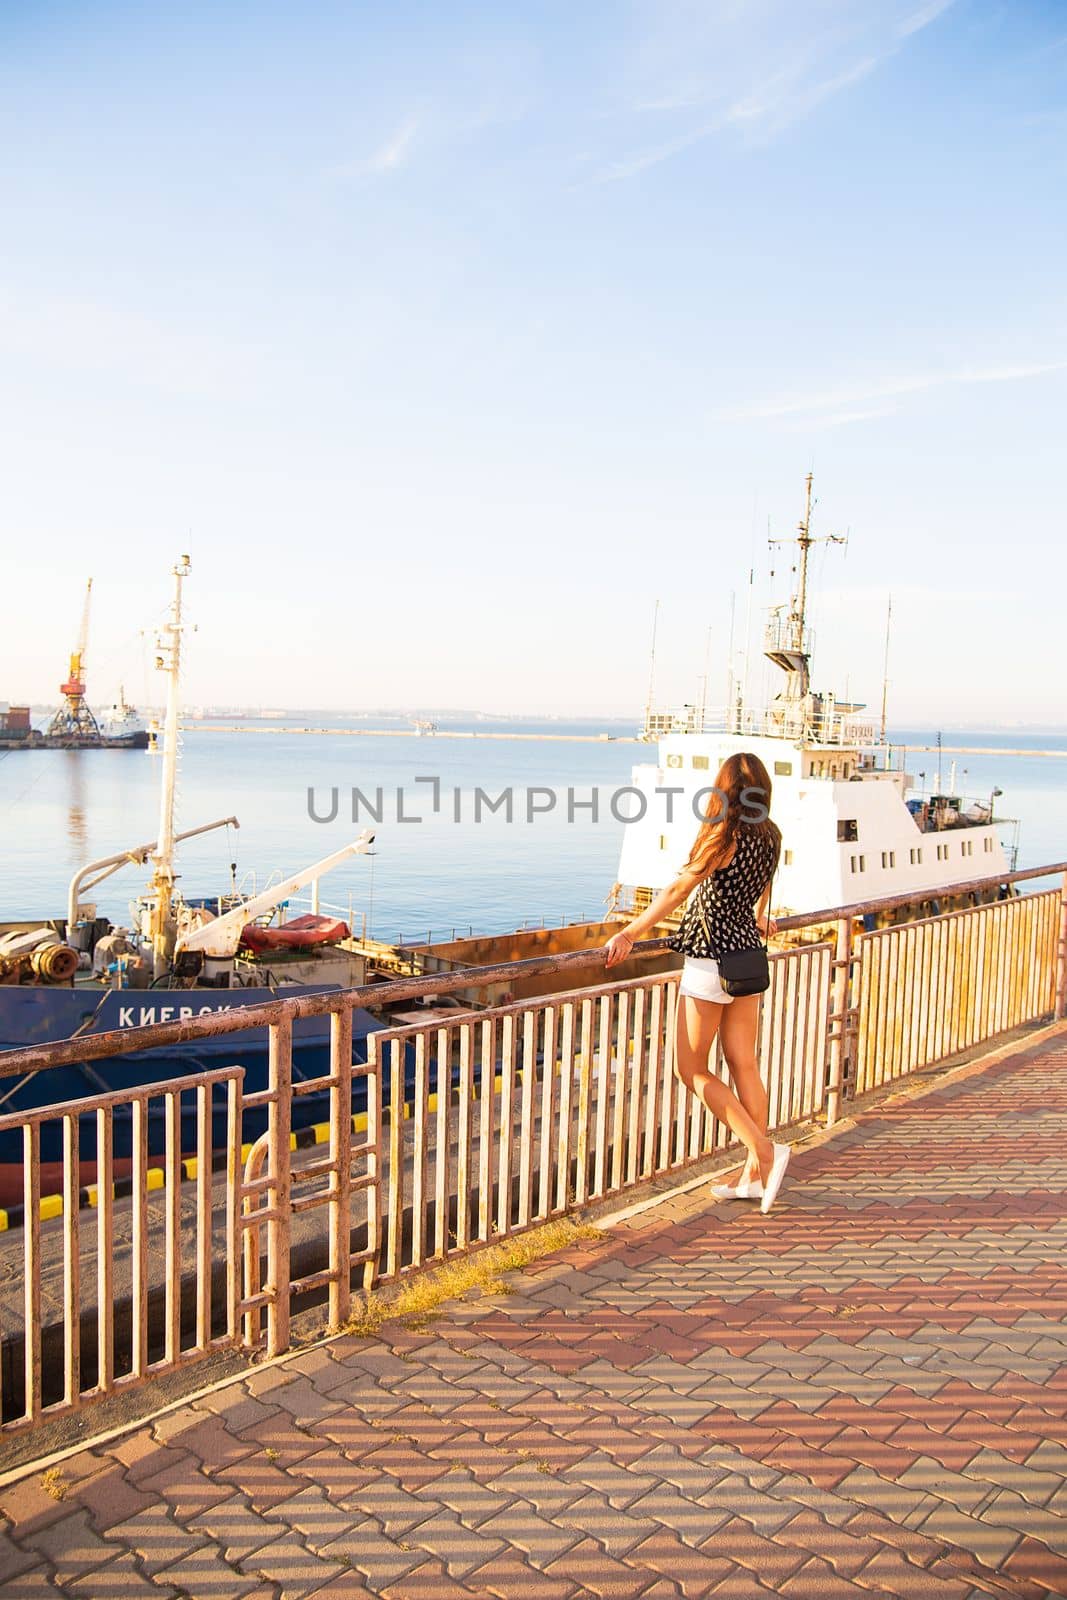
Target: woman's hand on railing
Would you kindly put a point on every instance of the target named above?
(767, 926)
(618, 948)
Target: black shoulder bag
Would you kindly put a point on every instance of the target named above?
(744, 972)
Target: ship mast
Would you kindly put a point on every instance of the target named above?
(788, 643)
(161, 887)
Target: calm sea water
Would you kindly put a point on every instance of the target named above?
(59, 810)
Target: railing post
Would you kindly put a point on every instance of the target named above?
(1061, 956)
(341, 1157)
(841, 994)
(279, 1227)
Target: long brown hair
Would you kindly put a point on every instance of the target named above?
(741, 798)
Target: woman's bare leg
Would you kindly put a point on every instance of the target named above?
(698, 1023)
(737, 1035)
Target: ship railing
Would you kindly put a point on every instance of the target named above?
(784, 635)
(216, 1212)
(772, 722)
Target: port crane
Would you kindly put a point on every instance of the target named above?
(74, 720)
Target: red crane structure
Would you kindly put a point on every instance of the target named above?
(74, 722)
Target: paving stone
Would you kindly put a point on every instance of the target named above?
(27, 1506)
(549, 1492)
(396, 1509)
(893, 1500)
(990, 1543)
(1037, 1564)
(122, 1580)
(304, 1401)
(202, 1574)
(268, 1377)
(264, 1481)
(736, 1497)
(71, 1546)
(430, 1581)
(889, 1573)
(510, 1577)
(691, 1520)
(771, 1560)
(347, 1586)
(379, 1559)
(519, 1526)
(13, 1560)
(235, 1526)
(471, 1499)
(34, 1583)
(1010, 1510)
(695, 1572)
(212, 1445)
(157, 1538)
(291, 1565)
(337, 1474)
(185, 1488)
(932, 1478)
(317, 1519)
(816, 1580)
(238, 1409)
(594, 1517)
(694, 1476)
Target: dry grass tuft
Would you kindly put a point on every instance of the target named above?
(419, 1298)
(54, 1483)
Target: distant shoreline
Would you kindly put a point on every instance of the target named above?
(571, 738)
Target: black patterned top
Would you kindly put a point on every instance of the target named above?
(720, 915)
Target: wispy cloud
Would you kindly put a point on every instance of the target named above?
(834, 407)
(923, 17)
(765, 107)
(753, 70)
(388, 157)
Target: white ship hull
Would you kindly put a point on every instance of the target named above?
(850, 833)
(885, 849)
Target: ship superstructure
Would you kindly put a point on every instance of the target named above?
(852, 829)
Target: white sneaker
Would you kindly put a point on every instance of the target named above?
(782, 1152)
(738, 1191)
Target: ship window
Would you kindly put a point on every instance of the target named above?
(988, 843)
(848, 830)
(859, 863)
(916, 857)
(700, 761)
(787, 858)
(942, 852)
(674, 761)
(889, 858)
(966, 847)
(783, 769)
(833, 769)
(663, 841)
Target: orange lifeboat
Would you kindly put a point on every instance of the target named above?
(303, 933)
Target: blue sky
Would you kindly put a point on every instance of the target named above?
(448, 338)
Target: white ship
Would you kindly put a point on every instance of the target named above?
(852, 831)
(122, 721)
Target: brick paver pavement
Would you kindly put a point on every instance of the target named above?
(863, 1393)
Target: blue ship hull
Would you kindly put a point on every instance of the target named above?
(31, 1016)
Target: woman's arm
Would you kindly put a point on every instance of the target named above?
(764, 922)
(668, 900)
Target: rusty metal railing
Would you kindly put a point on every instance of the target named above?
(478, 1124)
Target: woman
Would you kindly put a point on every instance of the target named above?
(729, 874)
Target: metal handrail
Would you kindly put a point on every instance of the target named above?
(94, 1047)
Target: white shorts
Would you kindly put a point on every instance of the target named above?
(700, 978)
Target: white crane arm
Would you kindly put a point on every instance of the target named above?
(221, 936)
